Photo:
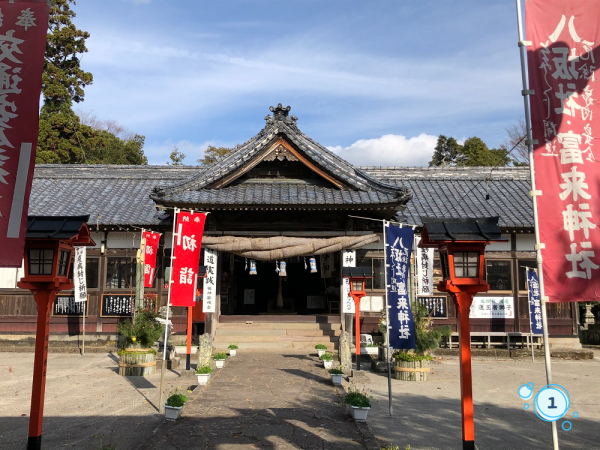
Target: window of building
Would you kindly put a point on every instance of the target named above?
(92, 272)
(374, 261)
(498, 274)
(120, 272)
(523, 263)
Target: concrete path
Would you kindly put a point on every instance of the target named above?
(427, 415)
(263, 400)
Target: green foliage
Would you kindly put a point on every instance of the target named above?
(204, 370)
(63, 138)
(177, 400)
(321, 347)
(427, 338)
(232, 347)
(176, 157)
(357, 397)
(213, 154)
(63, 79)
(327, 356)
(122, 351)
(144, 329)
(220, 355)
(474, 152)
(336, 371)
(405, 356)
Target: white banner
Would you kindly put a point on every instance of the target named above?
(209, 292)
(348, 260)
(492, 308)
(80, 289)
(424, 266)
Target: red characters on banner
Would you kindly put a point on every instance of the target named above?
(152, 240)
(186, 257)
(23, 27)
(562, 60)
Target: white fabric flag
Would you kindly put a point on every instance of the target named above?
(80, 292)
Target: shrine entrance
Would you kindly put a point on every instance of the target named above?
(300, 292)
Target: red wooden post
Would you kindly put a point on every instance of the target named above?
(189, 338)
(463, 302)
(357, 328)
(44, 300)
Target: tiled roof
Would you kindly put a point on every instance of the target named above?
(463, 191)
(280, 124)
(120, 194)
(109, 194)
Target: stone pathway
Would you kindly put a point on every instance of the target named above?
(263, 400)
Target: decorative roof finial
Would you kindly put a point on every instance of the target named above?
(280, 113)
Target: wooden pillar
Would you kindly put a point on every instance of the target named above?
(463, 302)
(44, 300)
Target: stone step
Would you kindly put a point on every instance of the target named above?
(248, 332)
(272, 346)
(279, 326)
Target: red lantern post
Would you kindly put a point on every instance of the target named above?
(461, 244)
(49, 243)
(357, 276)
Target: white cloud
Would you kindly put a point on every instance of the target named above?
(389, 150)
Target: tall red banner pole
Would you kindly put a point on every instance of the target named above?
(189, 337)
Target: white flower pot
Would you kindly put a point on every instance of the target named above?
(359, 413)
(320, 352)
(369, 350)
(327, 364)
(219, 363)
(232, 352)
(336, 378)
(172, 412)
(203, 378)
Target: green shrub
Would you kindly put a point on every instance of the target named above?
(122, 351)
(405, 356)
(427, 338)
(321, 347)
(358, 398)
(204, 370)
(177, 400)
(327, 357)
(233, 347)
(220, 355)
(144, 329)
(336, 371)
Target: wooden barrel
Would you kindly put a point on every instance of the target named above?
(137, 362)
(412, 370)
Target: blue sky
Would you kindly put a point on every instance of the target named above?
(377, 81)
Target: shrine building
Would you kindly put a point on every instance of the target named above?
(279, 197)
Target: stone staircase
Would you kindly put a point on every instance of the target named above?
(278, 332)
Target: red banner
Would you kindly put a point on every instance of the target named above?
(186, 257)
(152, 240)
(565, 122)
(23, 28)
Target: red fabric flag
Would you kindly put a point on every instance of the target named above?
(186, 257)
(23, 27)
(152, 240)
(565, 35)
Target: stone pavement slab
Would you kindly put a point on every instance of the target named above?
(427, 415)
(263, 401)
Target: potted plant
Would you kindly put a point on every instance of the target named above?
(327, 359)
(369, 349)
(137, 358)
(336, 375)
(321, 348)
(174, 405)
(220, 359)
(358, 402)
(232, 349)
(416, 366)
(203, 374)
